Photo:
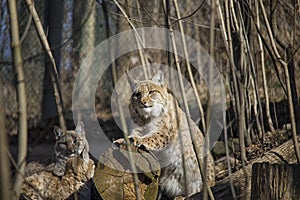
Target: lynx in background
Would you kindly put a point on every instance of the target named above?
(157, 122)
(69, 144)
(67, 174)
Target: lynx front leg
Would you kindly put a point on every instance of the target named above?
(155, 141)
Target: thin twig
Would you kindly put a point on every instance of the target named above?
(4, 164)
(206, 188)
(170, 17)
(229, 55)
(190, 69)
(185, 103)
(228, 157)
(241, 114)
(139, 41)
(122, 117)
(18, 65)
(288, 87)
(261, 126)
(231, 7)
(131, 19)
(148, 13)
(262, 57)
(269, 50)
(186, 189)
(189, 15)
(148, 69)
(54, 79)
(235, 100)
(26, 30)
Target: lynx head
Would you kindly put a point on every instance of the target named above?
(71, 142)
(149, 98)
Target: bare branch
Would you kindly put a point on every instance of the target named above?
(54, 79)
(138, 40)
(186, 108)
(189, 15)
(288, 86)
(18, 65)
(26, 28)
(262, 57)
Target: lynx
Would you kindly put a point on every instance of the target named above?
(45, 185)
(157, 123)
(71, 169)
(68, 144)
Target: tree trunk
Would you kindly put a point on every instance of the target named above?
(275, 181)
(242, 178)
(54, 21)
(84, 20)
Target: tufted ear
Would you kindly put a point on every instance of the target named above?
(85, 155)
(80, 127)
(58, 132)
(158, 78)
(133, 83)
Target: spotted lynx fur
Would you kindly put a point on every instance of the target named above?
(45, 185)
(68, 144)
(156, 128)
(71, 169)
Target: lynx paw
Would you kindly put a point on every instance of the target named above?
(119, 142)
(135, 141)
(179, 198)
(92, 170)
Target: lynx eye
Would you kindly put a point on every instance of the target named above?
(74, 140)
(62, 145)
(152, 92)
(137, 95)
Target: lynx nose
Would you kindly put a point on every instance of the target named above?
(144, 101)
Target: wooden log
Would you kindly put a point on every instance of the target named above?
(275, 181)
(114, 180)
(241, 179)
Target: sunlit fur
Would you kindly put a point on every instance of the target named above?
(69, 143)
(70, 169)
(157, 122)
(45, 185)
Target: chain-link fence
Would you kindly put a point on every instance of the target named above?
(84, 24)
(254, 44)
